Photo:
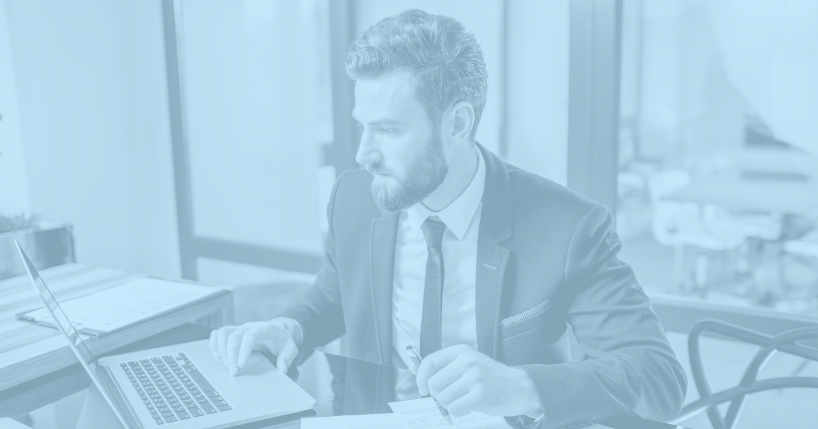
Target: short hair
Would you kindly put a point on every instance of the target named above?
(445, 62)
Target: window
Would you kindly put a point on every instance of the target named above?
(265, 120)
(258, 108)
(718, 175)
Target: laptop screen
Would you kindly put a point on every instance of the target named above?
(60, 318)
(76, 343)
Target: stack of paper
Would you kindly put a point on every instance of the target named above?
(117, 307)
(424, 414)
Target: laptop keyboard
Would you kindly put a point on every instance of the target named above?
(173, 389)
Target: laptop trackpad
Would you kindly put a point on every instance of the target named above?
(255, 366)
(257, 369)
(258, 387)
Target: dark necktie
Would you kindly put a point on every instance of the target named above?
(431, 324)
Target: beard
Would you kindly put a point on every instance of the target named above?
(424, 174)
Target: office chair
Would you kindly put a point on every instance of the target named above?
(50, 245)
(804, 248)
(787, 342)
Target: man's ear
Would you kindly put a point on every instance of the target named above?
(462, 121)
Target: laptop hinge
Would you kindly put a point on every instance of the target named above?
(116, 393)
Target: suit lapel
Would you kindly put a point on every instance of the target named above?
(382, 265)
(491, 266)
(492, 257)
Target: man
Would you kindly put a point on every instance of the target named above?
(481, 265)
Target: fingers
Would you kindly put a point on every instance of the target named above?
(214, 348)
(454, 390)
(234, 342)
(434, 363)
(442, 379)
(464, 404)
(221, 341)
(248, 344)
(287, 355)
(234, 345)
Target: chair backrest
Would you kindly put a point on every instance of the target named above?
(787, 342)
(47, 247)
(805, 246)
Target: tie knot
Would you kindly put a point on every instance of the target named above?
(433, 230)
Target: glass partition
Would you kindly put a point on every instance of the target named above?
(718, 151)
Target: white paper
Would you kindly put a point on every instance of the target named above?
(128, 303)
(424, 414)
(368, 421)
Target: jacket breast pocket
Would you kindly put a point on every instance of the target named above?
(525, 321)
(533, 336)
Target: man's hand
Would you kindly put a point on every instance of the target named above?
(464, 380)
(233, 344)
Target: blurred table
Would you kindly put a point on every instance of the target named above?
(746, 189)
(28, 351)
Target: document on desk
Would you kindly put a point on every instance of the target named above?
(424, 414)
(102, 312)
(367, 421)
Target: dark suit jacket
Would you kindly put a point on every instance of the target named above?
(546, 258)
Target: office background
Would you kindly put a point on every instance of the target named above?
(200, 139)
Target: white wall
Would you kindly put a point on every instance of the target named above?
(13, 183)
(92, 99)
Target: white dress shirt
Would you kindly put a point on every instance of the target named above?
(459, 248)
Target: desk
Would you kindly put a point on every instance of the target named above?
(28, 351)
(340, 385)
(743, 190)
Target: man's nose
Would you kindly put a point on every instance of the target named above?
(367, 151)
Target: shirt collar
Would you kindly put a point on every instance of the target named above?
(458, 215)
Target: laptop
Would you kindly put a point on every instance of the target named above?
(181, 386)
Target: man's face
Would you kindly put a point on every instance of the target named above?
(399, 146)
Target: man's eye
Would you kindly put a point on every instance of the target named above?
(388, 130)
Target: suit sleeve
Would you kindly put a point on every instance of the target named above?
(630, 369)
(319, 311)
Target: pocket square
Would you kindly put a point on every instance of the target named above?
(525, 315)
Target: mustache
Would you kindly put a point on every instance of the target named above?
(378, 168)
